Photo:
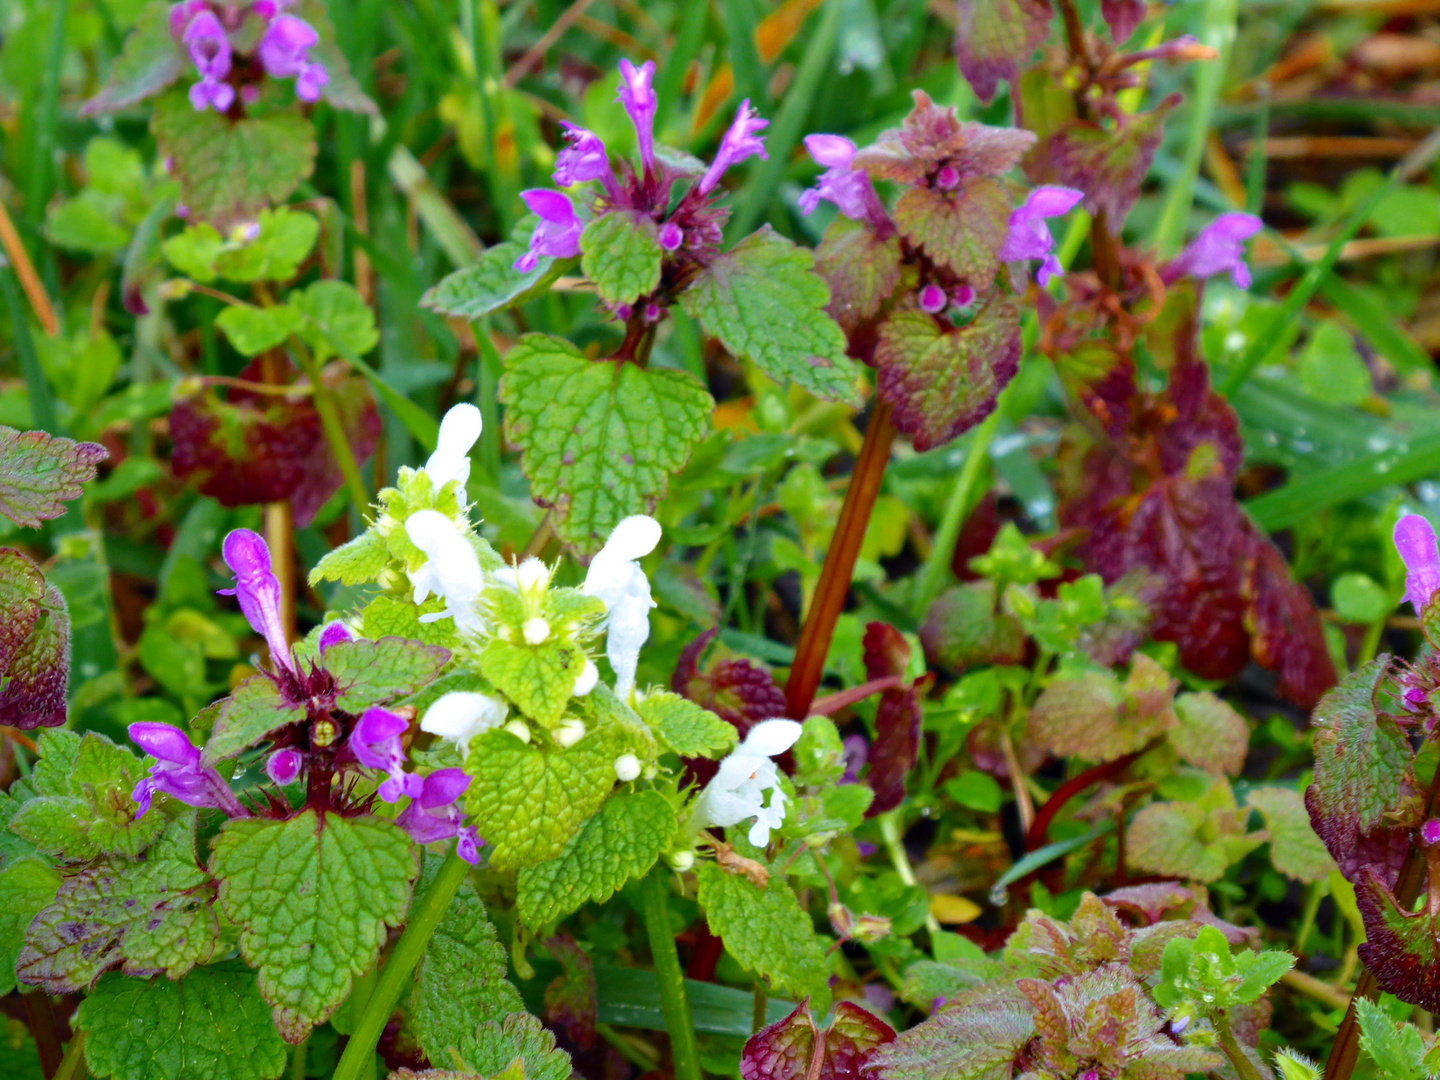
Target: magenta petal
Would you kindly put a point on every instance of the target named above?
(165, 742)
(257, 589)
(443, 787)
(283, 766)
(550, 205)
(334, 633)
(1415, 542)
(1052, 201)
(832, 151)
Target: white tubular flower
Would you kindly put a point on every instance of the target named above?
(461, 715)
(587, 679)
(459, 430)
(451, 571)
(615, 578)
(738, 790)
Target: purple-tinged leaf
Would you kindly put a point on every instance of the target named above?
(933, 137)
(781, 1051)
(963, 229)
(39, 473)
(786, 1049)
(944, 380)
(1109, 164)
(1123, 16)
(897, 718)
(982, 1041)
(38, 675)
(1401, 949)
(737, 690)
(1152, 901)
(994, 38)
(253, 710)
(22, 588)
(963, 629)
(852, 1038)
(150, 61)
(1362, 801)
(342, 91)
(861, 269)
(570, 999)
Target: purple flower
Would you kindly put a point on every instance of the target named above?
(671, 236)
(312, 79)
(933, 299)
(583, 160)
(1218, 248)
(209, 50)
(1029, 237)
(948, 178)
(1430, 832)
(740, 142)
(638, 97)
(284, 52)
(375, 742)
(558, 234)
(179, 773)
(432, 814)
(849, 189)
(334, 633)
(1415, 541)
(857, 752)
(283, 766)
(258, 591)
(208, 93)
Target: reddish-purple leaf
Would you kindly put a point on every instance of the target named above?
(853, 1036)
(897, 718)
(1401, 949)
(1122, 16)
(38, 675)
(941, 379)
(1149, 903)
(933, 137)
(570, 999)
(963, 628)
(39, 473)
(786, 1049)
(861, 269)
(739, 691)
(1109, 164)
(963, 229)
(993, 38)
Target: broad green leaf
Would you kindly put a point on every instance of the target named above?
(539, 679)
(392, 616)
(1197, 841)
(27, 886)
(358, 562)
(253, 330)
(686, 728)
(209, 1025)
(601, 439)
(1330, 367)
(39, 473)
(313, 897)
(963, 229)
(50, 775)
(1358, 598)
(766, 930)
(621, 842)
(861, 270)
(147, 915)
(494, 1046)
(150, 61)
(1395, 1046)
(86, 224)
(281, 240)
(493, 283)
(338, 321)
(1295, 850)
(253, 710)
(764, 302)
(620, 252)
(1259, 972)
(528, 802)
(461, 980)
(372, 672)
(229, 170)
(1210, 734)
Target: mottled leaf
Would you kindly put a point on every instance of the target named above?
(150, 61)
(995, 38)
(253, 710)
(38, 670)
(963, 628)
(963, 229)
(973, 1043)
(1108, 164)
(620, 252)
(493, 1046)
(685, 727)
(39, 473)
(1210, 734)
(934, 136)
(1401, 949)
(785, 1050)
(766, 931)
(373, 672)
(897, 718)
(861, 269)
(1197, 841)
(1295, 850)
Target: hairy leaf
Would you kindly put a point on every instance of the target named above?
(1295, 850)
(373, 672)
(687, 728)
(963, 229)
(933, 136)
(493, 283)
(1210, 734)
(995, 38)
(620, 252)
(38, 669)
(1398, 1048)
(963, 629)
(765, 930)
(1109, 165)
(1198, 841)
(539, 679)
(27, 886)
(861, 269)
(39, 473)
(253, 710)
(785, 1050)
(1401, 949)
(493, 1046)
(973, 1043)
(897, 718)
(150, 61)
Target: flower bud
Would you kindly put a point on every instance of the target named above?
(627, 767)
(519, 729)
(569, 733)
(681, 861)
(536, 631)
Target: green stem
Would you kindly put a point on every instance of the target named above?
(297, 1061)
(930, 582)
(757, 1015)
(334, 429)
(360, 995)
(1244, 1067)
(42, 403)
(1318, 891)
(488, 368)
(674, 1003)
(900, 858)
(425, 916)
(37, 190)
(72, 1065)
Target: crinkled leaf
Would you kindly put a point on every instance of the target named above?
(1397, 1048)
(963, 629)
(540, 679)
(38, 673)
(313, 897)
(357, 562)
(253, 330)
(337, 320)
(766, 931)
(253, 710)
(1210, 734)
(493, 1046)
(944, 380)
(461, 980)
(897, 718)
(493, 283)
(528, 802)
(739, 691)
(600, 439)
(1197, 841)
(1098, 718)
(1401, 949)
(27, 886)
(861, 269)
(963, 229)
(687, 728)
(392, 616)
(149, 62)
(1295, 850)
(764, 302)
(209, 1025)
(785, 1050)
(148, 914)
(619, 843)
(373, 672)
(973, 1043)
(1108, 164)
(22, 590)
(1362, 801)
(995, 38)
(933, 136)
(571, 1004)
(39, 473)
(620, 252)
(230, 169)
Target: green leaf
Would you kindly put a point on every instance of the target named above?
(764, 302)
(819, 753)
(687, 728)
(1330, 368)
(281, 240)
(1197, 841)
(148, 915)
(394, 616)
(1209, 734)
(1295, 850)
(372, 672)
(27, 887)
(766, 931)
(338, 321)
(1358, 598)
(941, 379)
(539, 679)
(493, 1046)
(210, 1025)
(86, 224)
(313, 897)
(150, 61)
(528, 802)
(39, 473)
(620, 252)
(253, 330)
(963, 229)
(601, 439)
(1396, 1047)
(358, 562)
(229, 170)
(1259, 972)
(861, 270)
(493, 283)
(461, 981)
(253, 710)
(621, 842)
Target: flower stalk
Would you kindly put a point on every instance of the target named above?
(674, 1003)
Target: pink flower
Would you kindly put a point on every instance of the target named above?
(933, 299)
(209, 49)
(179, 773)
(583, 160)
(848, 188)
(741, 141)
(283, 766)
(1029, 237)
(258, 591)
(284, 52)
(334, 633)
(432, 814)
(375, 742)
(558, 234)
(1415, 542)
(1220, 247)
(1430, 832)
(638, 97)
(671, 236)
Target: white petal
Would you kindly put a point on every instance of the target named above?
(760, 832)
(627, 767)
(453, 568)
(770, 737)
(462, 714)
(587, 679)
(459, 430)
(629, 627)
(530, 573)
(632, 539)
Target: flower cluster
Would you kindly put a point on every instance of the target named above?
(208, 31)
(745, 777)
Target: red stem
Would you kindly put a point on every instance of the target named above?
(45, 1029)
(1035, 837)
(833, 703)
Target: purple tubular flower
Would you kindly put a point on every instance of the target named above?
(638, 97)
(432, 814)
(285, 46)
(208, 93)
(334, 633)
(558, 234)
(179, 773)
(1219, 248)
(375, 742)
(1415, 541)
(283, 766)
(857, 752)
(585, 159)
(740, 142)
(312, 79)
(209, 49)
(849, 189)
(933, 299)
(257, 590)
(671, 236)
(1029, 237)
(1430, 832)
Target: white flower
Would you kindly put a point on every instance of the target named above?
(536, 631)
(451, 571)
(461, 715)
(627, 767)
(587, 679)
(615, 578)
(459, 429)
(738, 790)
(569, 733)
